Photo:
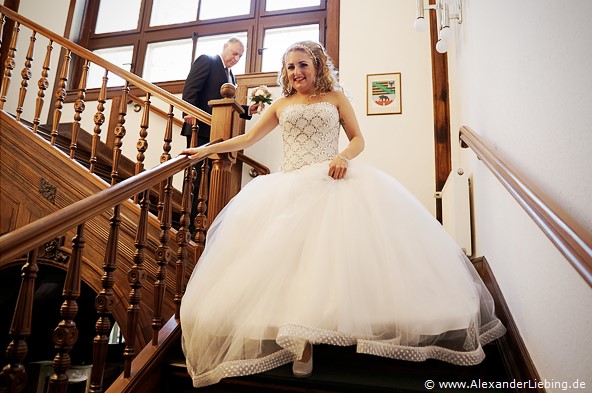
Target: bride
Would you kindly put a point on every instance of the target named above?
(326, 251)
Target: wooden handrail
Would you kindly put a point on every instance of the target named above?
(20, 241)
(260, 168)
(112, 68)
(572, 240)
(137, 100)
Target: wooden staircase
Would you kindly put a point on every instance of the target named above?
(38, 180)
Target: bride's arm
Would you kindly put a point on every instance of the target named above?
(268, 121)
(347, 117)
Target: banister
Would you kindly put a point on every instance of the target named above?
(112, 68)
(260, 168)
(570, 238)
(18, 242)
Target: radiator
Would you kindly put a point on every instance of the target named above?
(456, 209)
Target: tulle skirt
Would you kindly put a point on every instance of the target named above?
(297, 256)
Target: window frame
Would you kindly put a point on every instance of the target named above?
(255, 23)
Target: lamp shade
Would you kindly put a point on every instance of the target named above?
(420, 25)
(442, 46)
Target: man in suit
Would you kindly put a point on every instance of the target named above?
(207, 75)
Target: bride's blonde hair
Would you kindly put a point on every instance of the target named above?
(326, 75)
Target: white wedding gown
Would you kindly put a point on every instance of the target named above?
(297, 256)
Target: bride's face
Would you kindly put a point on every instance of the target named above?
(301, 71)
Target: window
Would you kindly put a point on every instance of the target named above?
(159, 39)
(213, 9)
(163, 14)
(115, 15)
(167, 60)
(275, 5)
(275, 42)
(120, 56)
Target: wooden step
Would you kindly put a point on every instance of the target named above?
(340, 369)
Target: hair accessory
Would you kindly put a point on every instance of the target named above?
(307, 50)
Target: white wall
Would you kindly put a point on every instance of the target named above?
(378, 37)
(519, 77)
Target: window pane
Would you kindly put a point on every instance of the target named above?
(121, 56)
(168, 61)
(212, 9)
(212, 45)
(274, 5)
(165, 14)
(117, 15)
(277, 40)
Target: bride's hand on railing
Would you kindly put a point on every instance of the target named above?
(195, 152)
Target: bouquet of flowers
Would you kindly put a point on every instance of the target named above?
(261, 95)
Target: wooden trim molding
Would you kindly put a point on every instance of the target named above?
(570, 238)
(332, 26)
(441, 103)
(513, 350)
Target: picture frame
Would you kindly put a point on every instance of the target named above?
(383, 94)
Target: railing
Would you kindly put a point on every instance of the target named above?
(257, 167)
(574, 242)
(27, 239)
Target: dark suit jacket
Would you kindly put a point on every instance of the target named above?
(202, 85)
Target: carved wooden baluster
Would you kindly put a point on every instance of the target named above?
(163, 257)
(103, 303)
(163, 254)
(79, 108)
(194, 134)
(165, 156)
(142, 144)
(43, 84)
(201, 220)
(136, 278)
(13, 377)
(1, 27)
(26, 75)
(9, 64)
(60, 94)
(66, 333)
(119, 134)
(99, 119)
(183, 237)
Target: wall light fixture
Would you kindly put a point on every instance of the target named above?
(442, 8)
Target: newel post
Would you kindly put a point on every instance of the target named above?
(222, 116)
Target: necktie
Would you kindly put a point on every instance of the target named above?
(228, 77)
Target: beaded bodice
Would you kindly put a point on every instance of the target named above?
(310, 133)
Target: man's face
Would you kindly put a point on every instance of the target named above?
(231, 53)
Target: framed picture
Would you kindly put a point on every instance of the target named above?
(383, 94)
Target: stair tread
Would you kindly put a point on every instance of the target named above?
(341, 369)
